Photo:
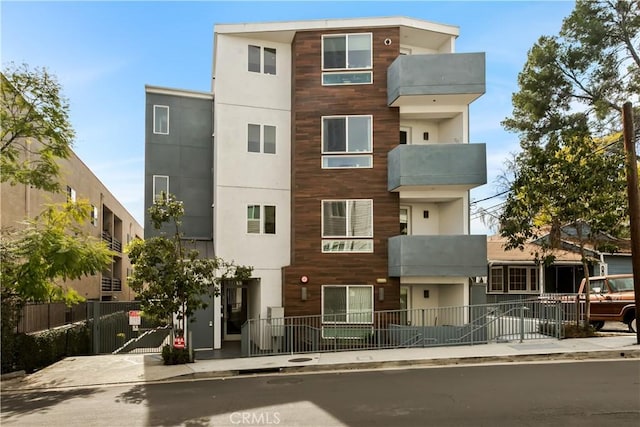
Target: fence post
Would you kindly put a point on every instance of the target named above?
(424, 326)
(96, 328)
(249, 338)
(559, 319)
(522, 323)
(292, 337)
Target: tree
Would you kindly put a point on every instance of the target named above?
(570, 96)
(36, 260)
(35, 131)
(169, 278)
(51, 249)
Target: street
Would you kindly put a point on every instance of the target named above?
(546, 394)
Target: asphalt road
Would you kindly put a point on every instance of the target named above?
(602, 393)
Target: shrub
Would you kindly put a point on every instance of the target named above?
(569, 330)
(176, 356)
(30, 352)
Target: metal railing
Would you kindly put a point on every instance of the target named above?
(465, 325)
(114, 244)
(111, 285)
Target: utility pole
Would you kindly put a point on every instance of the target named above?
(634, 204)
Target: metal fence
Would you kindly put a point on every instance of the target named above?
(466, 325)
(111, 331)
(36, 317)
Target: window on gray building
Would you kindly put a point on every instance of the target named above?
(161, 119)
(160, 186)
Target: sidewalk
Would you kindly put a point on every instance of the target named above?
(85, 371)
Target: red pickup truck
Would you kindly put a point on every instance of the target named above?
(612, 299)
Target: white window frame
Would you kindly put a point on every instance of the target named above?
(155, 130)
(530, 286)
(491, 281)
(348, 71)
(262, 211)
(156, 193)
(262, 140)
(72, 196)
(347, 243)
(94, 215)
(347, 313)
(346, 36)
(328, 155)
(408, 209)
(262, 59)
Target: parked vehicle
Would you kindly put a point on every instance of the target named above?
(612, 298)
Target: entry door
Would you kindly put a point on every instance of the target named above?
(235, 311)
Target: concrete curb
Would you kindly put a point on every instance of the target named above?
(12, 375)
(459, 361)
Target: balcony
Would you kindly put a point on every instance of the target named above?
(438, 256)
(111, 285)
(460, 166)
(445, 79)
(113, 243)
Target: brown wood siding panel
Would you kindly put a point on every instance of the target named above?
(311, 184)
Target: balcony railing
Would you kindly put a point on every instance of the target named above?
(460, 165)
(111, 285)
(113, 243)
(457, 77)
(438, 256)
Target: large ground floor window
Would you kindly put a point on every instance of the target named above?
(347, 303)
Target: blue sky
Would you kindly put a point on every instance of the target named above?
(104, 53)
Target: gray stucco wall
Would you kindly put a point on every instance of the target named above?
(186, 156)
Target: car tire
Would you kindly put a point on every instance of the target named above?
(597, 325)
(633, 326)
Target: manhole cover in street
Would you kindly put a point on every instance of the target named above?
(301, 359)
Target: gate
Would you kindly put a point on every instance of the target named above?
(111, 331)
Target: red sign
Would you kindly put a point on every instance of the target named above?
(134, 318)
(178, 342)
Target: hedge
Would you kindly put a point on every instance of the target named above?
(31, 352)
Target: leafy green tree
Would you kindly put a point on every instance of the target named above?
(35, 130)
(169, 278)
(36, 260)
(571, 93)
(53, 248)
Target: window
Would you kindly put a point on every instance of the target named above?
(71, 194)
(344, 138)
(261, 138)
(261, 219)
(523, 279)
(262, 60)
(160, 187)
(496, 279)
(94, 215)
(342, 52)
(347, 225)
(161, 119)
(405, 135)
(404, 221)
(347, 304)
